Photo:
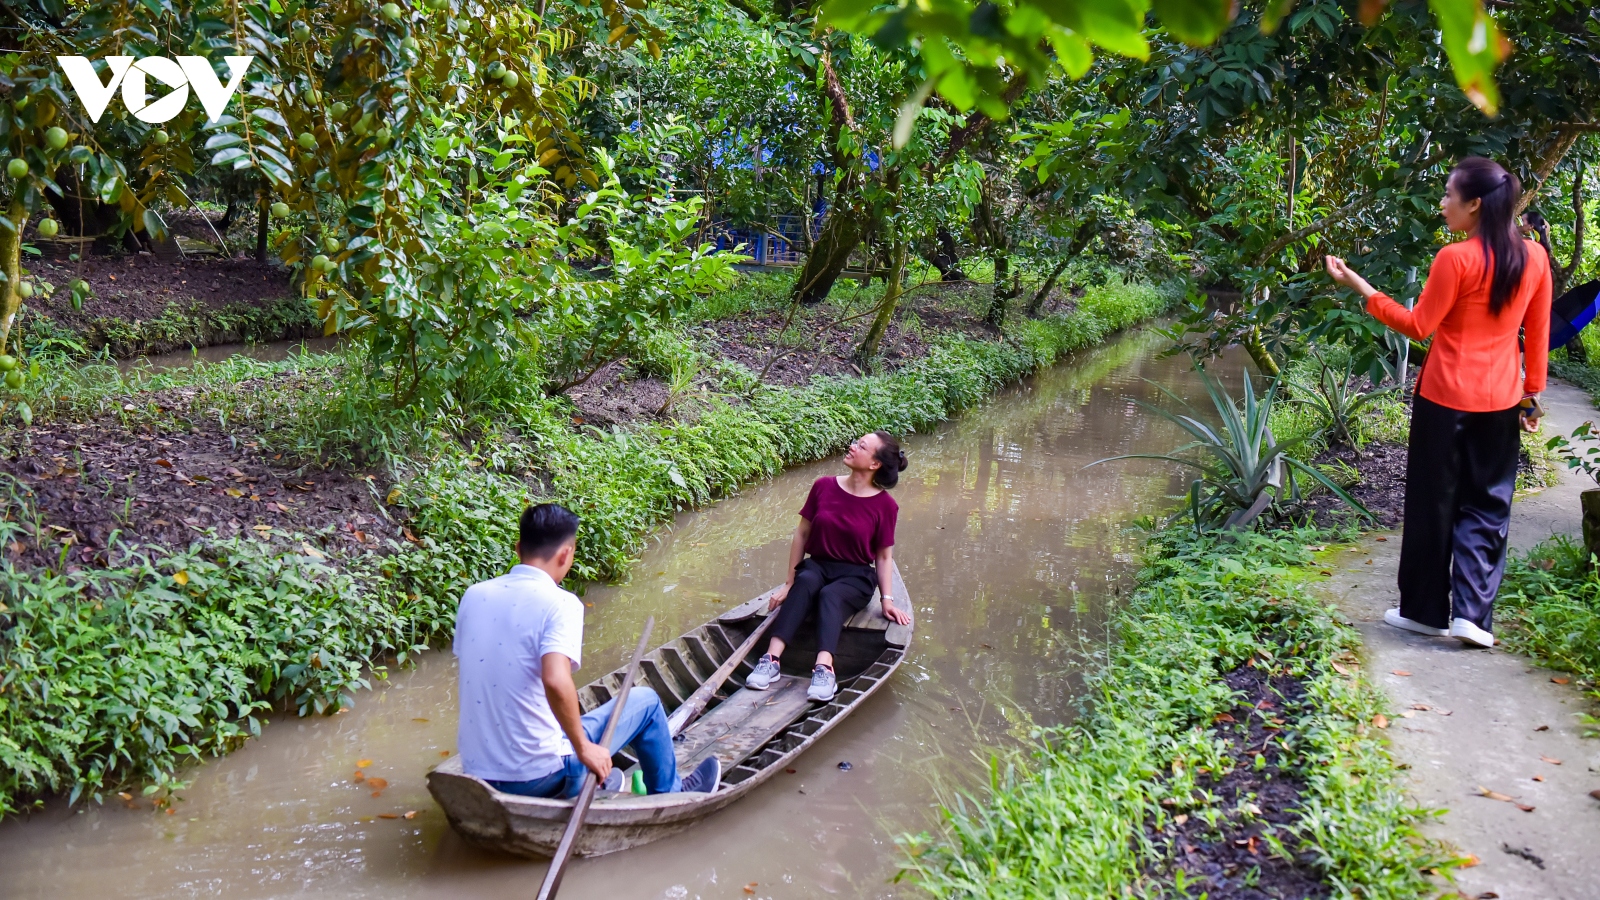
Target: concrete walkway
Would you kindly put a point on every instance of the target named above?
(1465, 719)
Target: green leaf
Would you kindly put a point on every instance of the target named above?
(1476, 47)
(1196, 22)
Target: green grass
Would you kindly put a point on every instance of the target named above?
(115, 677)
(1068, 820)
(176, 328)
(1549, 609)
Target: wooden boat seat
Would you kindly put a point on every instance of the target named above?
(871, 616)
(742, 724)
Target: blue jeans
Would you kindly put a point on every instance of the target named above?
(643, 724)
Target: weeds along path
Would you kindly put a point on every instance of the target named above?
(1472, 720)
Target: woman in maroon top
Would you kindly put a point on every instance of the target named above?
(844, 543)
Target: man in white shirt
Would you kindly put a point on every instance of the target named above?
(519, 638)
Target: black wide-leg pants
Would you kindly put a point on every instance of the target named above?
(829, 590)
(1461, 470)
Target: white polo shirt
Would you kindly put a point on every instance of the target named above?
(504, 627)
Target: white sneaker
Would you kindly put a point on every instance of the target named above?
(1468, 633)
(1393, 617)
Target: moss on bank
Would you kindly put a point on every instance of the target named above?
(207, 637)
(1092, 813)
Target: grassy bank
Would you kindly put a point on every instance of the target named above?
(177, 327)
(115, 674)
(1113, 805)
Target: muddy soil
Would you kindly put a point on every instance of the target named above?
(94, 483)
(1382, 488)
(140, 286)
(1233, 861)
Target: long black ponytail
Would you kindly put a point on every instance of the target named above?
(1504, 252)
(1534, 219)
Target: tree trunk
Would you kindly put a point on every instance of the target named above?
(11, 266)
(891, 299)
(1259, 354)
(1037, 303)
(995, 317)
(1563, 274)
(945, 257)
(842, 232)
(261, 228)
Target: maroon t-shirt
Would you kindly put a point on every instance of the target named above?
(846, 527)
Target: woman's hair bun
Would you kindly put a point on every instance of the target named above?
(891, 461)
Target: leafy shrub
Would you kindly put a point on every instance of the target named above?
(1549, 605)
(1070, 820)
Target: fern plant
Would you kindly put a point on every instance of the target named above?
(1242, 470)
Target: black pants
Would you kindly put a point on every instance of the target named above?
(831, 589)
(1460, 474)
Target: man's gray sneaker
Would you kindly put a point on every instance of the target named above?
(765, 674)
(823, 684)
(704, 778)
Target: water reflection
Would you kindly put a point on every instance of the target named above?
(1011, 552)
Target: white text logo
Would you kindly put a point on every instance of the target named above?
(186, 72)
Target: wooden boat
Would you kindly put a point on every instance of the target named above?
(755, 734)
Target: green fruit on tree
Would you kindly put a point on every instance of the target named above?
(497, 70)
(383, 136)
(411, 44)
(438, 4)
(280, 210)
(330, 244)
(306, 140)
(17, 168)
(159, 137)
(7, 362)
(321, 263)
(510, 80)
(15, 378)
(391, 11)
(364, 124)
(339, 109)
(302, 31)
(56, 137)
(48, 228)
(314, 95)
(25, 290)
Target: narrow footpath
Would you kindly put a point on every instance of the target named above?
(1466, 719)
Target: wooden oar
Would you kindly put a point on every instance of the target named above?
(696, 704)
(580, 808)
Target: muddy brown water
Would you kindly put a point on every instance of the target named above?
(1011, 552)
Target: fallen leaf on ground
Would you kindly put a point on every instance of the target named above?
(1494, 795)
(181, 577)
(1542, 728)
(444, 752)
(1561, 679)
(125, 795)
(1325, 572)
(388, 816)
(1470, 860)
(363, 763)
(377, 793)
(751, 887)
(377, 784)
(1408, 714)
(1525, 807)
(1538, 778)
(1553, 762)
(359, 776)
(418, 719)
(1382, 539)
(1380, 720)
(1595, 794)
(1402, 672)
(1340, 669)
(1421, 706)
(1180, 818)
(410, 814)
(1223, 717)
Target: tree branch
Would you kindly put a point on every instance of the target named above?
(1564, 136)
(980, 122)
(746, 7)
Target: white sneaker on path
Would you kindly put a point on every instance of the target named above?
(1470, 634)
(1393, 617)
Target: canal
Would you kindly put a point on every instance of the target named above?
(1012, 553)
